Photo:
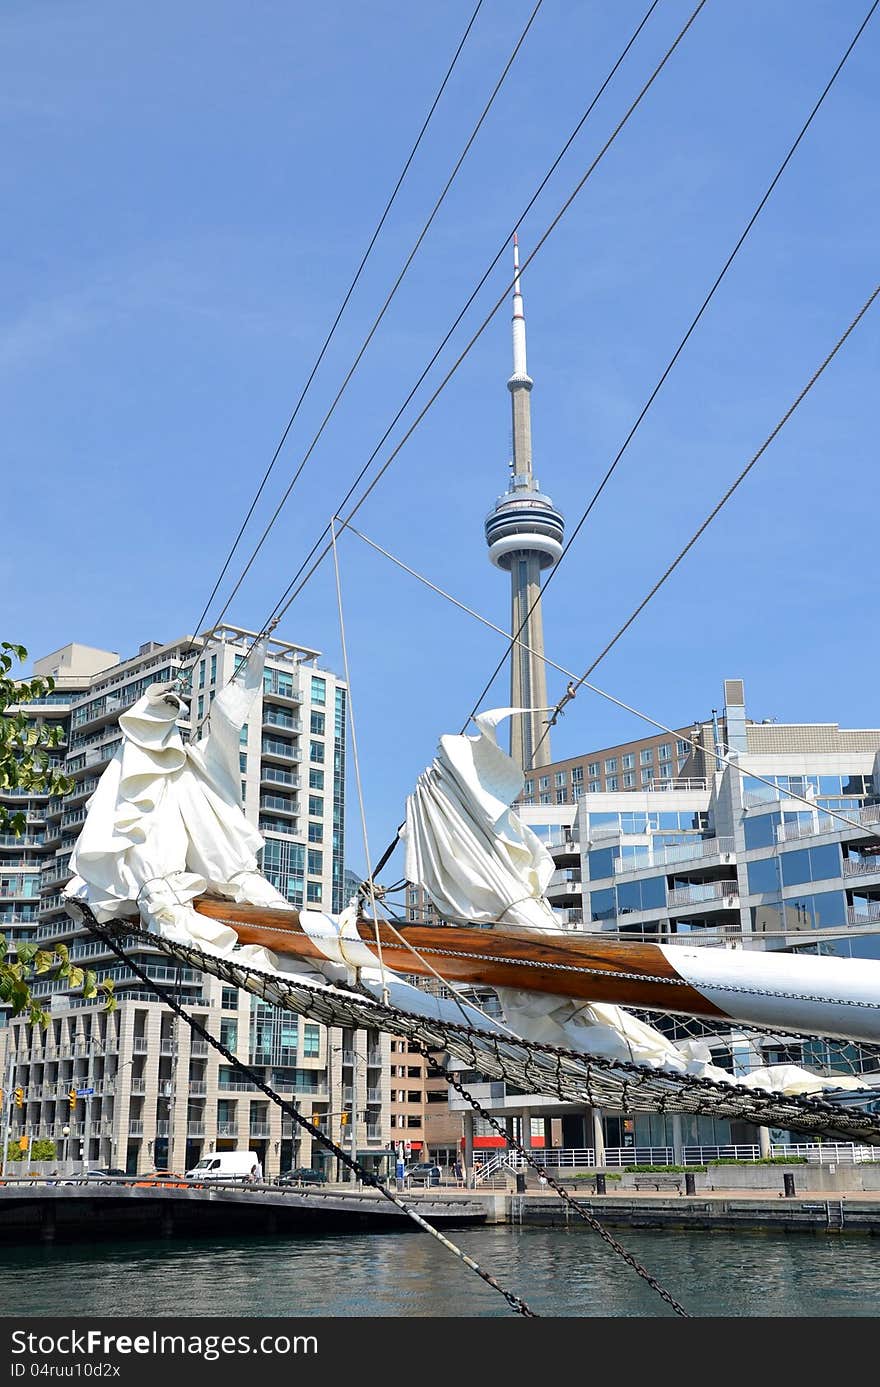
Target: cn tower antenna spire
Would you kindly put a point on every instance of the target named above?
(524, 535)
(520, 375)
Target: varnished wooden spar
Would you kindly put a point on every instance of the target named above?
(612, 971)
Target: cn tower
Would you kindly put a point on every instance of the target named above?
(524, 534)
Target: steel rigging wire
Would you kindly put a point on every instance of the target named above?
(671, 363)
(342, 307)
(288, 596)
(486, 273)
(366, 342)
(573, 688)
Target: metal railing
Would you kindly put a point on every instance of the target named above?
(674, 852)
(861, 866)
(699, 892)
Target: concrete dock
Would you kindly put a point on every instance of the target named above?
(40, 1211)
(33, 1211)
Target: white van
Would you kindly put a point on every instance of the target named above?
(227, 1165)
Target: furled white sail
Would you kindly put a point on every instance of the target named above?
(165, 823)
(478, 862)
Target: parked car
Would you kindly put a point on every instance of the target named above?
(423, 1173)
(105, 1172)
(302, 1175)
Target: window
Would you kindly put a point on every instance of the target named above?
(629, 780)
(544, 782)
(316, 779)
(242, 762)
(213, 669)
(647, 775)
(529, 787)
(314, 892)
(229, 1032)
(316, 833)
(593, 769)
(229, 999)
(315, 861)
(316, 723)
(595, 786)
(559, 779)
(819, 910)
(611, 765)
(682, 748)
(577, 791)
(560, 796)
(316, 806)
(316, 751)
(763, 875)
(646, 755)
(628, 761)
(602, 906)
(665, 771)
(664, 751)
(641, 895)
(811, 864)
(201, 674)
(600, 863)
(243, 736)
(577, 775)
(319, 689)
(201, 707)
(544, 799)
(311, 1041)
(760, 830)
(612, 783)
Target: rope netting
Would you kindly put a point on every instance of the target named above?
(568, 1075)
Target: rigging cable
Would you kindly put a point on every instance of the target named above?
(293, 590)
(342, 307)
(583, 682)
(357, 762)
(672, 360)
(369, 337)
(573, 688)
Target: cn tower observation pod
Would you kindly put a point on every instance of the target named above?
(524, 519)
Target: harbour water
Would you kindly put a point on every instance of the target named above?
(559, 1272)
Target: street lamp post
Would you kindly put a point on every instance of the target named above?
(65, 1132)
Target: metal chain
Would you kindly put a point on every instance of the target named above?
(515, 1302)
(581, 1210)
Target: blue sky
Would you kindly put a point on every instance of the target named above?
(186, 193)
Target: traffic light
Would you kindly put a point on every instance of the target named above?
(71, 1098)
(19, 1097)
(316, 1119)
(343, 1119)
(22, 1143)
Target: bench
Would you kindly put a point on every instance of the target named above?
(658, 1181)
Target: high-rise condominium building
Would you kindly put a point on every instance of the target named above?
(151, 1093)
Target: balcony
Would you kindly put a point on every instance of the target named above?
(138, 1086)
(280, 804)
(277, 717)
(702, 848)
(196, 1129)
(274, 749)
(276, 775)
(139, 1044)
(567, 918)
(136, 1128)
(698, 893)
(258, 1130)
(867, 913)
(861, 866)
(197, 1088)
(227, 1129)
(281, 687)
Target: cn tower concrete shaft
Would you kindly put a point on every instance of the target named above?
(524, 534)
